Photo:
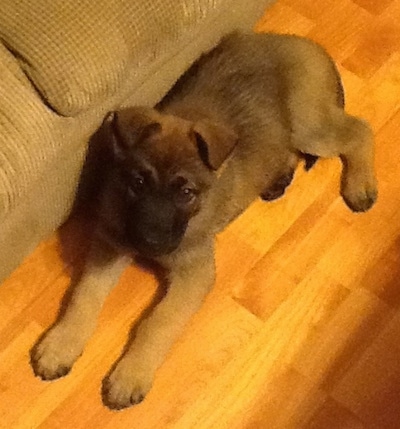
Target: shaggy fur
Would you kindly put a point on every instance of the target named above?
(233, 128)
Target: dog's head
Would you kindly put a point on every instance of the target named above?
(162, 168)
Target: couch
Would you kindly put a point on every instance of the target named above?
(63, 65)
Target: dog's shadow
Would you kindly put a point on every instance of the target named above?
(76, 235)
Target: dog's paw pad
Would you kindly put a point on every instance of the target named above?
(118, 397)
(122, 389)
(361, 201)
(53, 357)
(48, 365)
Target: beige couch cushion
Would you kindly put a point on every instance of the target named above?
(79, 53)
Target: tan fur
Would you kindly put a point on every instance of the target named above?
(257, 103)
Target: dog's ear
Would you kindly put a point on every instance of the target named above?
(131, 125)
(214, 141)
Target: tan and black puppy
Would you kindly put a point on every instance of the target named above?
(232, 129)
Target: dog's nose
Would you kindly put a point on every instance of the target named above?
(153, 241)
(157, 241)
(153, 246)
(155, 227)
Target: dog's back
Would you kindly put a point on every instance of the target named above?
(251, 80)
(265, 87)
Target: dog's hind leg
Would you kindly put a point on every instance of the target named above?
(278, 186)
(337, 134)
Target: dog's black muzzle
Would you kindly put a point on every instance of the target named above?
(155, 227)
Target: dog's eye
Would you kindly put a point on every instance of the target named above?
(187, 194)
(137, 184)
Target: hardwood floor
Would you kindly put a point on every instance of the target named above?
(302, 329)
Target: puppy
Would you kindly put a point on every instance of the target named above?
(232, 129)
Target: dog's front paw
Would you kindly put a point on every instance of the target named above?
(127, 385)
(53, 356)
(360, 197)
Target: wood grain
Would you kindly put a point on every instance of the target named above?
(302, 329)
